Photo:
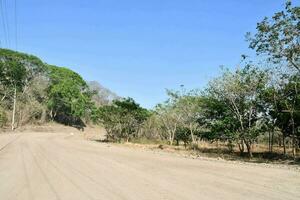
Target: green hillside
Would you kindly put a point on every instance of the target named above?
(32, 91)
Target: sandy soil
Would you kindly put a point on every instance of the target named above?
(44, 166)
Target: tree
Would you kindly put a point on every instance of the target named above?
(68, 96)
(289, 109)
(292, 104)
(17, 70)
(183, 134)
(109, 117)
(13, 78)
(240, 93)
(122, 119)
(171, 118)
(279, 37)
(152, 128)
(219, 121)
(32, 104)
(190, 105)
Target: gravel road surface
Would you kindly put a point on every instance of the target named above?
(59, 166)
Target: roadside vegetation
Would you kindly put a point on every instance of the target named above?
(242, 111)
(253, 110)
(32, 91)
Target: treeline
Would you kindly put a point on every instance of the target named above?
(32, 91)
(257, 101)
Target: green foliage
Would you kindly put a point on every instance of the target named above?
(122, 119)
(287, 105)
(238, 107)
(12, 73)
(29, 66)
(15, 74)
(43, 90)
(68, 96)
(239, 93)
(27, 60)
(17, 70)
(278, 37)
(183, 134)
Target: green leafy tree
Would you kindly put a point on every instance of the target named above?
(68, 96)
(287, 110)
(13, 78)
(170, 117)
(279, 36)
(240, 92)
(219, 121)
(17, 70)
(190, 105)
(123, 119)
(183, 134)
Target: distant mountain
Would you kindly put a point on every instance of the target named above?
(102, 95)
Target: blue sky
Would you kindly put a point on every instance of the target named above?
(139, 48)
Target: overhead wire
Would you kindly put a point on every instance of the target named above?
(3, 22)
(6, 19)
(8, 34)
(16, 24)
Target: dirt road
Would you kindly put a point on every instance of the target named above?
(44, 166)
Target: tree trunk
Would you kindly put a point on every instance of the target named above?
(170, 137)
(14, 109)
(284, 146)
(294, 138)
(43, 116)
(241, 147)
(192, 134)
(249, 149)
(172, 134)
(193, 138)
(272, 141)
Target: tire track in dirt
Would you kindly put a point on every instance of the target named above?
(9, 143)
(44, 174)
(64, 175)
(55, 166)
(79, 172)
(27, 184)
(232, 184)
(118, 167)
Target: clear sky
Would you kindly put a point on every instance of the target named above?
(139, 48)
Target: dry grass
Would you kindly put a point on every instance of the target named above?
(220, 150)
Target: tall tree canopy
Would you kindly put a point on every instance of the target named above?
(69, 96)
(279, 36)
(17, 70)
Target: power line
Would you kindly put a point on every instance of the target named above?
(5, 39)
(3, 21)
(7, 22)
(16, 25)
